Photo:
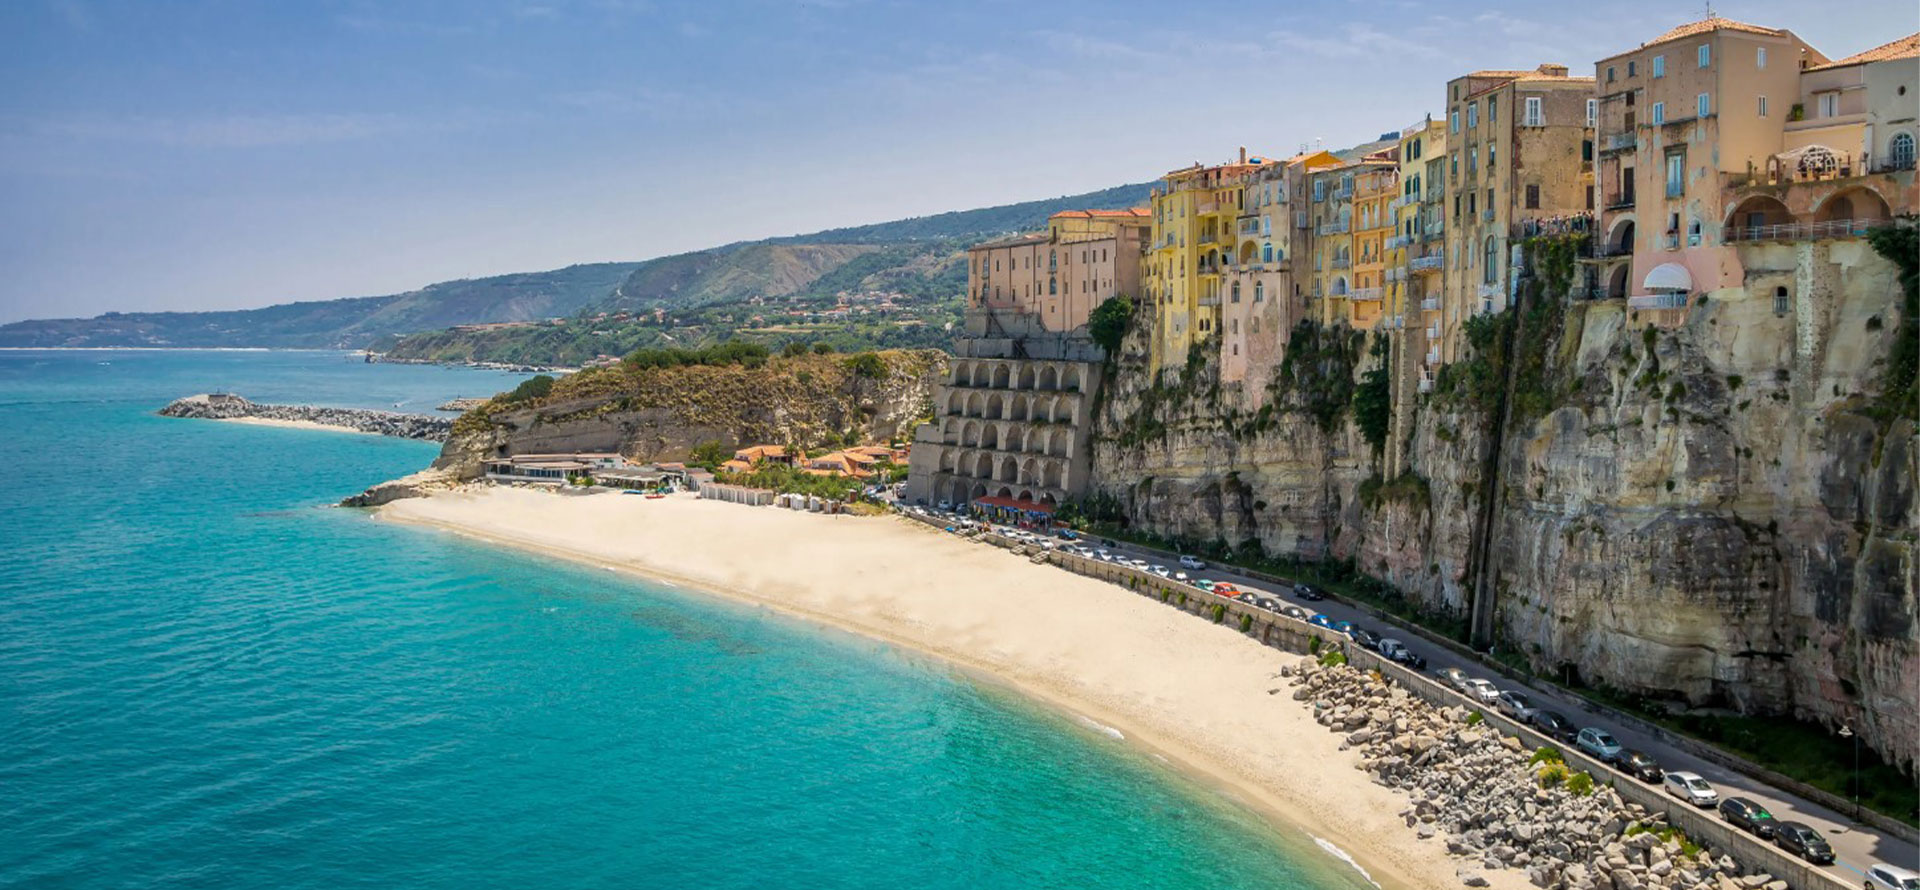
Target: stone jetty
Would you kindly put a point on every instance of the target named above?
(227, 406)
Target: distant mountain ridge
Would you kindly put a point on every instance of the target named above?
(772, 266)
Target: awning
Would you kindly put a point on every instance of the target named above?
(1669, 276)
(1014, 504)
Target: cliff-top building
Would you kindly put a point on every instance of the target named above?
(1010, 423)
(1196, 211)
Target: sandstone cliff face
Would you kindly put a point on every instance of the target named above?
(662, 413)
(1712, 513)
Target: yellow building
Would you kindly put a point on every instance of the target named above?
(1332, 221)
(1418, 248)
(1195, 214)
(1376, 182)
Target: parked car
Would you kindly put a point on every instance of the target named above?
(1068, 534)
(1108, 542)
(1482, 691)
(1600, 744)
(1365, 638)
(1189, 562)
(1516, 705)
(1882, 876)
(1295, 612)
(1267, 603)
(1692, 789)
(1640, 765)
(1801, 840)
(1748, 816)
(1397, 651)
(1344, 627)
(1321, 621)
(946, 506)
(1180, 576)
(1162, 571)
(1221, 588)
(1454, 677)
(1203, 583)
(1554, 724)
(1308, 592)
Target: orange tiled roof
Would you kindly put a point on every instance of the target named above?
(1905, 48)
(1711, 24)
(1141, 212)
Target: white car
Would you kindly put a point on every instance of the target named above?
(1692, 789)
(1162, 571)
(1180, 576)
(1890, 877)
(1189, 562)
(1483, 690)
(946, 506)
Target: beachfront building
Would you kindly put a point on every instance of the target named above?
(1518, 155)
(1012, 419)
(551, 469)
(1719, 138)
(1195, 215)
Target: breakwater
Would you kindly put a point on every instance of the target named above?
(227, 406)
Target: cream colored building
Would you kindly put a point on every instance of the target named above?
(1518, 147)
(1051, 281)
(1261, 304)
(1195, 214)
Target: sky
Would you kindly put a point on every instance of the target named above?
(213, 154)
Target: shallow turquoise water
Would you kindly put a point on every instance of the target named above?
(209, 680)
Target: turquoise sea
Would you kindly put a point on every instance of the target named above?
(208, 679)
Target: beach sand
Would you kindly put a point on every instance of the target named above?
(296, 425)
(1197, 693)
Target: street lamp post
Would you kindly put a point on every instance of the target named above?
(1846, 732)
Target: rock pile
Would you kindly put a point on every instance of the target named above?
(226, 406)
(1474, 788)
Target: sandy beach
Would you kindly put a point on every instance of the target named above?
(296, 425)
(1196, 693)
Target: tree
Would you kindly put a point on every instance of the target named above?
(793, 348)
(823, 348)
(868, 365)
(709, 455)
(1108, 322)
(1373, 398)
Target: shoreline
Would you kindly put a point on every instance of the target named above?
(1258, 749)
(295, 425)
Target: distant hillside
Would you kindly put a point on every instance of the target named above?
(917, 256)
(349, 323)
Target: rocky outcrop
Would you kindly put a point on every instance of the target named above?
(417, 485)
(227, 406)
(651, 414)
(1718, 513)
(1482, 794)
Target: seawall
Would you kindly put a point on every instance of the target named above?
(227, 406)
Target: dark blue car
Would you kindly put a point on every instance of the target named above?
(1321, 621)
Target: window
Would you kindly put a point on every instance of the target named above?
(1053, 286)
(1533, 197)
(1537, 118)
(1489, 271)
(1453, 161)
(1493, 109)
(1829, 104)
(1473, 115)
(1259, 294)
(1236, 293)
(1659, 114)
(1609, 74)
(1593, 112)
(1473, 158)
(1492, 149)
(1586, 149)
(1676, 175)
(1763, 106)
(1632, 66)
(1453, 122)
(1702, 105)
(1900, 151)
(1760, 57)
(1705, 54)
(1659, 66)
(1782, 303)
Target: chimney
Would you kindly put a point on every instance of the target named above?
(1552, 70)
(1243, 154)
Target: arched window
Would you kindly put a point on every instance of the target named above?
(1053, 259)
(1236, 292)
(1266, 253)
(1053, 286)
(1900, 151)
(1693, 234)
(1259, 291)
(1489, 274)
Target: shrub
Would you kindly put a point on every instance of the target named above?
(1246, 623)
(823, 348)
(1553, 774)
(1475, 718)
(1313, 646)
(1547, 754)
(868, 365)
(535, 387)
(1219, 613)
(1332, 657)
(1580, 783)
(794, 348)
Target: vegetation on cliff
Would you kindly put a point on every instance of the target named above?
(1901, 245)
(1107, 324)
(1316, 376)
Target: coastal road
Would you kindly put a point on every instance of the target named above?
(1855, 847)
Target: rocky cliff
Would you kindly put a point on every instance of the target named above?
(1717, 511)
(227, 406)
(663, 413)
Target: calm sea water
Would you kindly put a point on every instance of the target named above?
(207, 679)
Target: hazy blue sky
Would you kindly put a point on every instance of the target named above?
(194, 155)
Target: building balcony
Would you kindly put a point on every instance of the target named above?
(1340, 262)
(1433, 330)
(1435, 229)
(1620, 142)
(1365, 294)
(1433, 356)
(1807, 231)
(1430, 304)
(1620, 202)
(1658, 301)
(1491, 292)
(1426, 384)
(1343, 193)
(1670, 241)
(1429, 263)
(1332, 228)
(1486, 214)
(1208, 300)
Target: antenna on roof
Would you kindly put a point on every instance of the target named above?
(1709, 4)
